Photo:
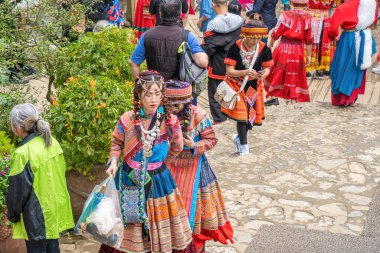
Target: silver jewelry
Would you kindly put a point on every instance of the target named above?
(246, 56)
(149, 136)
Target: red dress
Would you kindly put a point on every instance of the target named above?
(287, 78)
(143, 20)
(322, 46)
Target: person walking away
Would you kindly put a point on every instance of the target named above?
(37, 198)
(143, 139)
(249, 110)
(196, 180)
(322, 46)
(267, 9)
(154, 9)
(159, 46)
(351, 24)
(287, 77)
(222, 32)
(206, 14)
(143, 20)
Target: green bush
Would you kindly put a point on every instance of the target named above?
(11, 95)
(98, 54)
(94, 84)
(84, 115)
(6, 146)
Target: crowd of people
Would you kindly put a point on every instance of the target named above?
(167, 134)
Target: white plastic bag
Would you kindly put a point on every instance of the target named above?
(101, 218)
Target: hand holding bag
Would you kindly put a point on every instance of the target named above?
(225, 95)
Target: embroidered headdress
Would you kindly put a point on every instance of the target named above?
(254, 29)
(178, 92)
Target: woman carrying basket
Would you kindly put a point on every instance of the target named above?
(250, 58)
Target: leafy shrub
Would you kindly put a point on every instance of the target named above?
(4, 184)
(6, 147)
(84, 116)
(98, 54)
(11, 95)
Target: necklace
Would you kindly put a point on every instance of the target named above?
(246, 56)
(149, 136)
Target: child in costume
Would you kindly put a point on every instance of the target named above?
(196, 181)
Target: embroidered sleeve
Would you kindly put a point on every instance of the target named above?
(229, 61)
(278, 30)
(231, 58)
(176, 142)
(267, 58)
(308, 37)
(117, 140)
(208, 138)
(335, 21)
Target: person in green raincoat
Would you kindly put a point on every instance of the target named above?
(37, 199)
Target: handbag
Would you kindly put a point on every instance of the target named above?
(225, 95)
(132, 201)
(132, 198)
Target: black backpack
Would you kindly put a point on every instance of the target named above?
(188, 70)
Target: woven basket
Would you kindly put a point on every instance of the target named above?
(5, 231)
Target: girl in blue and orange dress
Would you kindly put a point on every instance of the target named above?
(148, 136)
(196, 181)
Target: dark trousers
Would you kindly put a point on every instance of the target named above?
(43, 246)
(242, 130)
(215, 107)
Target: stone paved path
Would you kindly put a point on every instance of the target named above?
(314, 168)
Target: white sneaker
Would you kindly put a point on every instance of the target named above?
(376, 69)
(236, 140)
(244, 149)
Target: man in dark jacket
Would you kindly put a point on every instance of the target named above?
(159, 45)
(222, 32)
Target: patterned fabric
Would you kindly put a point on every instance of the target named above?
(242, 110)
(322, 46)
(260, 108)
(115, 17)
(168, 225)
(178, 91)
(251, 97)
(198, 185)
(124, 137)
(287, 78)
(143, 20)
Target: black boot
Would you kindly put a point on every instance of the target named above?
(273, 101)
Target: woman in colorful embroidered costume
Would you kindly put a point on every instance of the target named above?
(350, 23)
(249, 110)
(147, 136)
(287, 78)
(196, 181)
(143, 20)
(115, 14)
(322, 46)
